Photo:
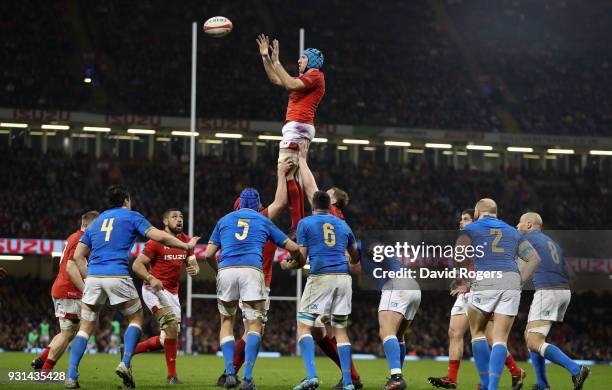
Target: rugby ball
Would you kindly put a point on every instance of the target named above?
(218, 26)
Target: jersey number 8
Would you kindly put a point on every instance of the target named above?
(107, 227)
(553, 252)
(244, 224)
(329, 236)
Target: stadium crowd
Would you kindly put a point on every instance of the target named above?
(455, 65)
(21, 311)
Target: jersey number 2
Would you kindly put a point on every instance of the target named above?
(496, 240)
(243, 223)
(329, 236)
(107, 227)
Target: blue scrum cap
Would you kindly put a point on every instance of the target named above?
(249, 198)
(315, 58)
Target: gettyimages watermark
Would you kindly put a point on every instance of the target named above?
(436, 260)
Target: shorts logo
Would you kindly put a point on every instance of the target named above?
(546, 313)
(477, 300)
(394, 304)
(313, 306)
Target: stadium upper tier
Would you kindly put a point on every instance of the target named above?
(500, 66)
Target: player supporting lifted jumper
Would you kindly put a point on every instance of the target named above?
(241, 236)
(110, 238)
(161, 287)
(328, 291)
(458, 327)
(550, 301)
(66, 292)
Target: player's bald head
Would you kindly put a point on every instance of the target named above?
(486, 205)
(530, 221)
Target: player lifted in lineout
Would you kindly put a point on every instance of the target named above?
(110, 238)
(328, 292)
(306, 92)
(241, 236)
(550, 301)
(458, 327)
(499, 294)
(284, 174)
(66, 292)
(160, 268)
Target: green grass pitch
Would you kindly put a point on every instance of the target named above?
(201, 372)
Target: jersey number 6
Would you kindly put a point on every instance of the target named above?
(107, 227)
(243, 223)
(329, 237)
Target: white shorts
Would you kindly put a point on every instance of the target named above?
(296, 132)
(67, 308)
(158, 299)
(405, 302)
(497, 295)
(99, 291)
(245, 283)
(549, 305)
(327, 295)
(241, 306)
(460, 306)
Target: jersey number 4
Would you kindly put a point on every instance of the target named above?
(107, 227)
(329, 236)
(244, 224)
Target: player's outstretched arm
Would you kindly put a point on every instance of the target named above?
(280, 198)
(193, 268)
(288, 82)
(298, 256)
(528, 254)
(308, 180)
(209, 256)
(264, 50)
(169, 240)
(353, 252)
(140, 269)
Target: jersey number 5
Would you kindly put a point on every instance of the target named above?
(329, 236)
(496, 240)
(107, 227)
(244, 224)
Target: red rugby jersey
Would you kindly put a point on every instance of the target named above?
(63, 286)
(166, 262)
(303, 104)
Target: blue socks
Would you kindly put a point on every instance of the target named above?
(402, 353)
(392, 352)
(78, 349)
(344, 350)
(227, 347)
(539, 365)
(250, 354)
(496, 364)
(480, 350)
(307, 348)
(130, 339)
(557, 356)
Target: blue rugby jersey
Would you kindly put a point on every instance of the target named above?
(111, 237)
(551, 270)
(327, 237)
(241, 235)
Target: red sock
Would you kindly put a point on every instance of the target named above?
(170, 352)
(514, 369)
(239, 354)
(302, 212)
(150, 344)
(296, 204)
(453, 368)
(49, 364)
(44, 354)
(328, 345)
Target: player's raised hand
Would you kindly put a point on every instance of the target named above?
(285, 166)
(193, 269)
(459, 289)
(193, 242)
(156, 284)
(264, 44)
(303, 152)
(275, 50)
